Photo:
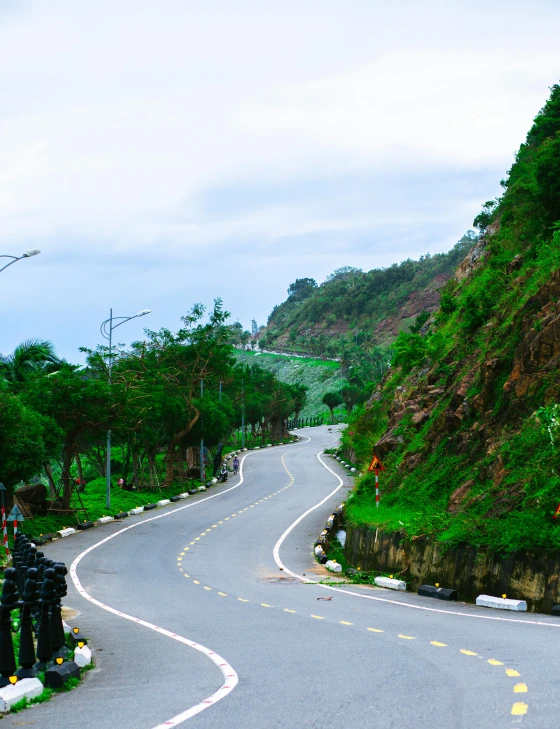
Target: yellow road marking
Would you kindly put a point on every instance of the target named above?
(343, 622)
(203, 534)
(234, 515)
(375, 630)
(251, 506)
(191, 542)
(289, 611)
(242, 600)
(468, 653)
(196, 582)
(207, 588)
(186, 549)
(494, 662)
(186, 575)
(519, 708)
(318, 617)
(406, 637)
(182, 553)
(264, 604)
(179, 559)
(197, 539)
(520, 688)
(207, 531)
(214, 526)
(512, 672)
(440, 645)
(223, 594)
(227, 518)
(220, 522)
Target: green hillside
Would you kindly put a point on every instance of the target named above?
(468, 419)
(353, 307)
(319, 376)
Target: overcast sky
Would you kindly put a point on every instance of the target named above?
(163, 153)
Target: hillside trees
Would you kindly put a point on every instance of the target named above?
(332, 400)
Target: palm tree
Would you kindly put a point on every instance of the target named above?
(30, 357)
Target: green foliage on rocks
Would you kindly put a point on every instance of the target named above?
(465, 422)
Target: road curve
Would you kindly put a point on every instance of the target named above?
(181, 603)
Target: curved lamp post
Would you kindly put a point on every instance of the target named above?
(106, 330)
(27, 254)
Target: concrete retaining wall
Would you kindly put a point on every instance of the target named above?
(530, 576)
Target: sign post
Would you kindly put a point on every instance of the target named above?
(4, 525)
(15, 516)
(376, 466)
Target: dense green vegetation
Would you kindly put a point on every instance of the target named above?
(357, 309)
(466, 419)
(165, 394)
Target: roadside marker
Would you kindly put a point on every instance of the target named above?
(376, 466)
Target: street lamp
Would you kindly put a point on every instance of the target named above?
(27, 254)
(106, 330)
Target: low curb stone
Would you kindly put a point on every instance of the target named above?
(105, 520)
(163, 502)
(27, 688)
(390, 583)
(501, 603)
(66, 532)
(138, 510)
(82, 656)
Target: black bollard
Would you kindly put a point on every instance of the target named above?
(26, 656)
(58, 638)
(48, 596)
(8, 602)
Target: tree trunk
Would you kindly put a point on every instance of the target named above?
(81, 485)
(67, 458)
(50, 477)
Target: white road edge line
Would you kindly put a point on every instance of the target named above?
(276, 553)
(231, 678)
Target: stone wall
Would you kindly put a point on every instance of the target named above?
(531, 576)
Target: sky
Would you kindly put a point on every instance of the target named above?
(162, 154)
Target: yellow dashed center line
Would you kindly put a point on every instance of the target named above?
(519, 709)
(439, 645)
(520, 688)
(375, 630)
(182, 554)
(264, 604)
(318, 617)
(242, 600)
(344, 622)
(467, 653)
(286, 610)
(512, 672)
(223, 594)
(494, 662)
(406, 637)
(196, 582)
(207, 588)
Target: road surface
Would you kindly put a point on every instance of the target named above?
(193, 623)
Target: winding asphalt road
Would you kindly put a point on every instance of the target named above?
(193, 621)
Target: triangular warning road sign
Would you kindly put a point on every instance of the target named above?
(15, 514)
(557, 512)
(376, 465)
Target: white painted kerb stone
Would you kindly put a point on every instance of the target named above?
(501, 603)
(184, 495)
(163, 502)
(390, 583)
(82, 656)
(105, 520)
(333, 566)
(138, 510)
(28, 688)
(66, 532)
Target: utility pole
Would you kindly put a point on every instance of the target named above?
(242, 413)
(202, 473)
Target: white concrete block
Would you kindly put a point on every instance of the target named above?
(214, 480)
(66, 532)
(318, 550)
(333, 566)
(163, 502)
(105, 520)
(353, 470)
(138, 510)
(201, 488)
(346, 465)
(257, 448)
(82, 656)
(184, 495)
(501, 603)
(244, 449)
(28, 688)
(269, 445)
(390, 583)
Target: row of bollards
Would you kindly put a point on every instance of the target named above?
(34, 585)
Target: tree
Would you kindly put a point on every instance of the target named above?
(34, 356)
(332, 400)
(23, 449)
(301, 288)
(351, 396)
